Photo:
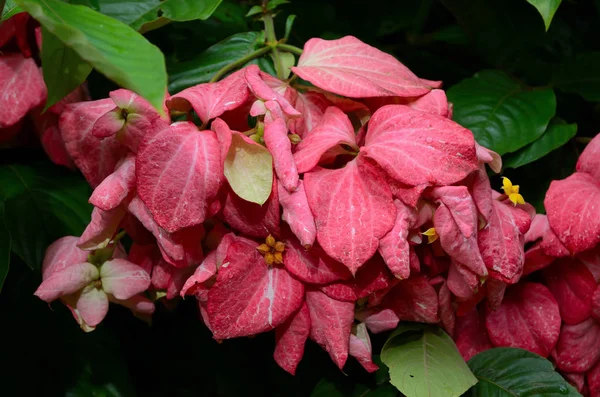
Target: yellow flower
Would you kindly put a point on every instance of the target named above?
(431, 235)
(512, 191)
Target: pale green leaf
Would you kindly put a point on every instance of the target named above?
(546, 8)
(189, 10)
(557, 134)
(503, 115)
(249, 170)
(424, 361)
(115, 49)
(509, 372)
(63, 69)
(289, 22)
(273, 4)
(254, 11)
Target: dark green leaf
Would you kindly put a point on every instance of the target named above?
(289, 22)
(503, 115)
(580, 75)
(188, 10)
(327, 388)
(63, 69)
(424, 361)
(5, 243)
(116, 50)
(515, 372)
(10, 9)
(546, 8)
(201, 68)
(126, 11)
(557, 134)
(42, 204)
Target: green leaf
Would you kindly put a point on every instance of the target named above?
(249, 170)
(63, 69)
(5, 242)
(327, 388)
(201, 68)
(512, 372)
(254, 11)
(273, 4)
(503, 115)
(289, 22)
(116, 50)
(580, 75)
(557, 134)
(546, 8)
(188, 10)
(424, 361)
(42, 204)
(10, 9)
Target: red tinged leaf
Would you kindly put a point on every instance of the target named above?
(573, 208)
(589, 161)
(445, 309)
(461, 281)
(413, 300)
(92, 305)
(487, 156)
(312, 265)
(471, 335)
(373, 276)
(351, 68)
(297, 214)
(573, 286)
(434, 102)
(535, 259)
(330, 324)
(311, 105)
(179, 171)
(495, 290)
(280, 146)
(360, 347)
(256, 82)
(290, 338)
(22, 87)
(577, 349)
(96, 159)
(353, 209)
(596, 304)
(62, 253)
(190, 241)
(66, 281)
(211, 100)
(593, 380)
(123, 279)
(409, 195)
(501, 244)
(251, 218)
(393, 247)
(249, 297)
(101, 229)
(461, 206)
(333, 129)
(117, 186)
(378, 320)
(206, 270)
(418, 148)
(481, 191)
(591, 259)
(528, 318)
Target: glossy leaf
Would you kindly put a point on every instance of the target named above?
(504, 372)
(116, 50)
(557, 134)
(546, 8)
(503, 115)
(63, 70)
(424, 361)
(10, 8)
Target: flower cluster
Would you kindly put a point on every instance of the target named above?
(557, 309)
(293, 207)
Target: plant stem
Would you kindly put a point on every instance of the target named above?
(290, 48)
(272, 43)
(240, 62)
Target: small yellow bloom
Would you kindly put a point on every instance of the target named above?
(431, 235)
(272, 251)
(512, 191)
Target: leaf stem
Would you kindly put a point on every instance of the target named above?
(240, 62)
(290, 48)
(273, 44)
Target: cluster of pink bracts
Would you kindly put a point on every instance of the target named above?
(24, 92)
(556, 311)
(380, 211)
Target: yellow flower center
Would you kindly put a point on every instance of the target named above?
(431, 235)
(512, 191)
(272, 251)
